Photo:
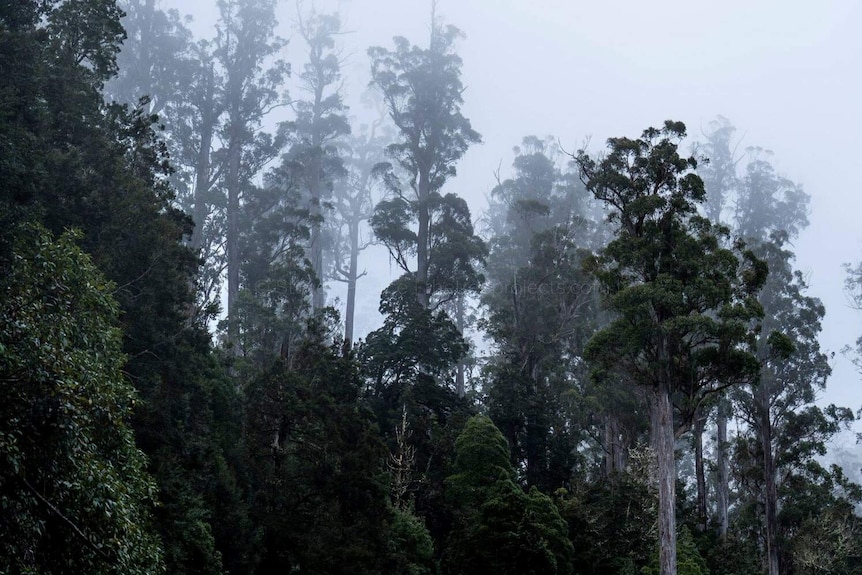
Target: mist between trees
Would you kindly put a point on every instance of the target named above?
(526, 287)
(638, 395)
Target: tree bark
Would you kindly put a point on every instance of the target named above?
(770, 489)
(534, 432)
(232, 240)
(316, 248)
(614, 452)
(424, 218)
(663, 443)
(697, 432)
(722, 490)
(460, 387)
(352, 273)
(202, 171)
(316, 211)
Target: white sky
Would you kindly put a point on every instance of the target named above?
(785, 72)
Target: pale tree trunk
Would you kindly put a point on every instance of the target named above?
(422, 240)
(534, 436)
(314, 190)
(232, 183)
(202, 171)
(697, 433)
(354, 218)
(663, 443)
(722, 489)
(460, 387)
(352, 276)
(317, 295)
(770, 490)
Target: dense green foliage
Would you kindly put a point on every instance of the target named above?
(498, 527)
(541, 311)
(138, 434)
(75, 494)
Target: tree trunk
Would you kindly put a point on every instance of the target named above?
(722, 490)
(614, 453)
(697, 432)
(316, 255)
(663, 443)
(460, 387)
(534, 432)
(202, 171)
(770, 489)
(352, 274)
(232, 182)
(422, 240)
(316, 213)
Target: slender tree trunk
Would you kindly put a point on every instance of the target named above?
(202, 172)
(318, 299)
(422, 239)
(315, 189)
(316, 251)
(144, 62)
(697, 432)
(460, 387)
(352, 274)
(232, 182)
(722, 491)
(770, 490)
(316, 181)
(534, 433)
(663, 443)
(615, 455)
(771, 514)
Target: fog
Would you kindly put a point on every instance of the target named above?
(782, 72)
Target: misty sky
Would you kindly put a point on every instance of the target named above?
(785, 73)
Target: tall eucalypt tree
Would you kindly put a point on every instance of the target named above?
(422, 90)
(685, 307)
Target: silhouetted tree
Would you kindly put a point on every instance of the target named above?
(314, 158)
(353, 202)
(244, 44)
(423, 93)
